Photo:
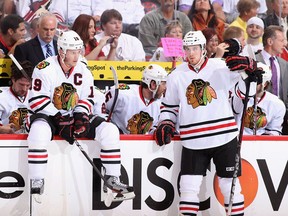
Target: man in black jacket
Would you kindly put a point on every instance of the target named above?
(35, 50)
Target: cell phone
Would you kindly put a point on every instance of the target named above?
(110, 40)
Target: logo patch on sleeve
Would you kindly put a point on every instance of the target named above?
(123, 86)
(42, 65)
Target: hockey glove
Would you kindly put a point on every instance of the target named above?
(241, 63)
(65, 127)
(81, 124)
(256, 76)
(164, 132)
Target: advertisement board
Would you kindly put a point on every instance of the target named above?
(73, 188)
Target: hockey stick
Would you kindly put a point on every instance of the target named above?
(237, 156)
(116, 84)
(93, 165)
(19, 66)
(108, 200)
(252, 55)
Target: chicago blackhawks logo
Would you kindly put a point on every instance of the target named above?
(65, 97)
(261, 119)
(200, 93)
(17, 117)
(140, 123)
(42, 65)
(123, 86)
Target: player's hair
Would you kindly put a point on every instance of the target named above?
(10, 21)
(17, 74)
(270, 32)
(232, 32)
(108, 15)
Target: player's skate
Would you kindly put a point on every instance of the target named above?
(121, 191)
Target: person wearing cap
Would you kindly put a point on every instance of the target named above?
(247, 9)
(255, 31)
(197, 98)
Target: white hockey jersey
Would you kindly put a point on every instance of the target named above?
(52, 91)
(13, 109)
(269, 115)
(200, 101)
(30, 9)
(132, 114)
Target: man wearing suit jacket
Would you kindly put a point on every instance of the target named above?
(35, 50)
(279, 15)
(274, 42)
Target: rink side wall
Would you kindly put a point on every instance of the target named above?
(72, 188)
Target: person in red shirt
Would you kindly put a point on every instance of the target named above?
(85, 26)
(12, 33)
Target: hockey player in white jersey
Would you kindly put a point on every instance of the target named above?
(14, 100)
(137, 108)
(197, 96)
(61, 100)
(270, 110)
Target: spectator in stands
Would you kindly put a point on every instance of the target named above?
(132, 12)
(28, 9)
(247, 9)
(33, 30)
(150, 5)
(274, 43)
(67, 13)
(268, 117)
(279, 15)
(231, 12)
(12, 34)
(229, 47)
(284, 53)
(129, 48)
(84, 25)
(212, 44)
(235, 32)
(172, 30)
(254, 30)
(202, 15)
(218, 9)
(2, 9)
(152, 25)
(36, 49)
(185, 6)
(141, 102)
(14, 100)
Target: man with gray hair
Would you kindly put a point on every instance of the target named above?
(43, 45)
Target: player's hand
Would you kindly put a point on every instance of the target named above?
(65, 126)
(164, 132)
(81, 124)
(241, 63)
(256, 76)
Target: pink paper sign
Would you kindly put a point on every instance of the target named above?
(173, 47)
